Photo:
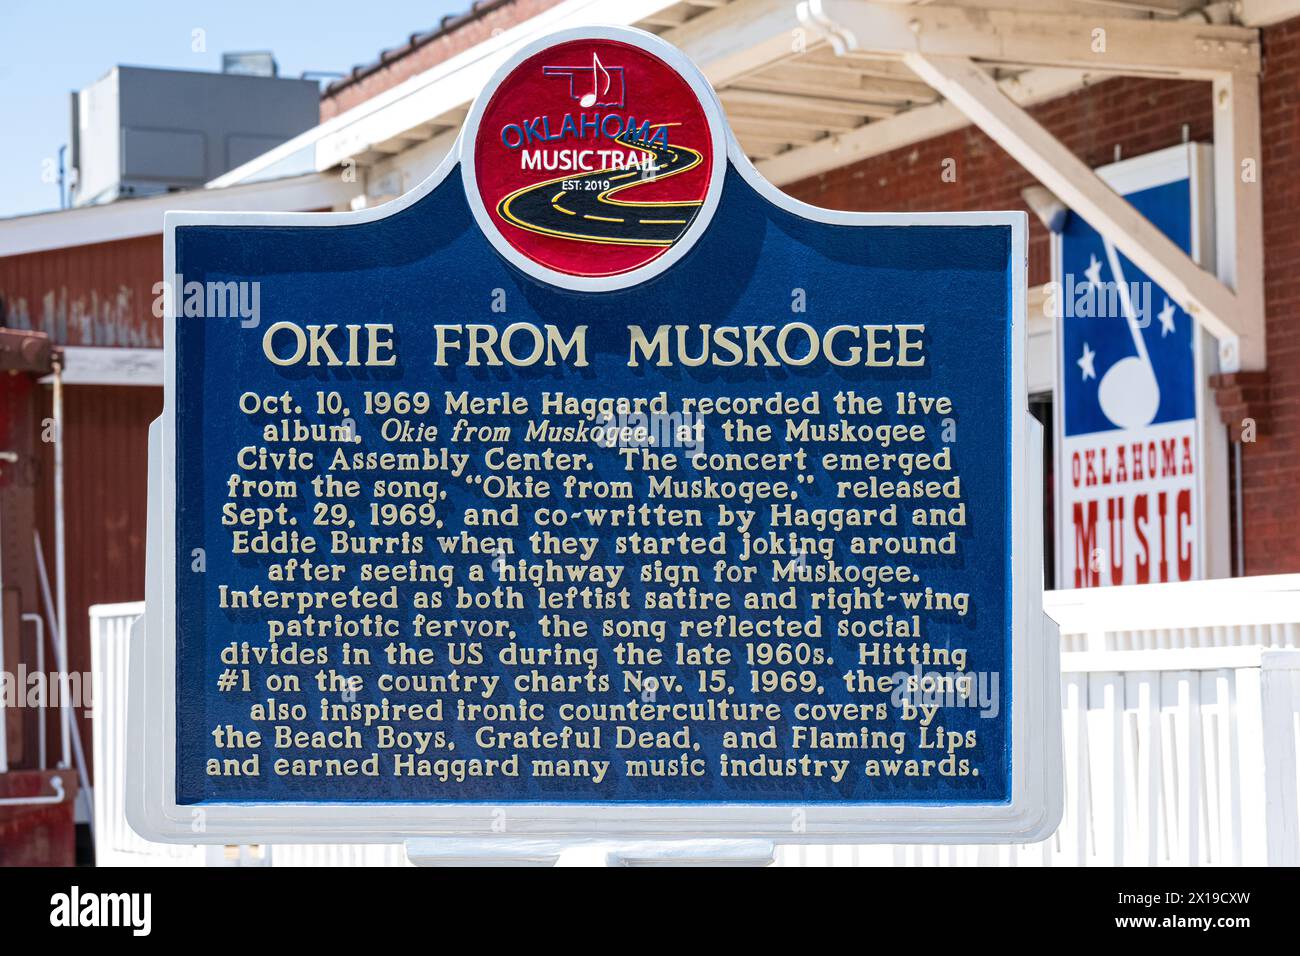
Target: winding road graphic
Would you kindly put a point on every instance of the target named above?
(583, 206)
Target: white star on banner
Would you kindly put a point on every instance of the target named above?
(1085, 363)
(1093, 272)
(1166, 317)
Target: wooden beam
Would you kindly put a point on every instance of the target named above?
(834, 113)
(734, 40)
(908, 127)
(820, 122)
(858, 101)
(768, 144)
(847, 82)
(1261, 13)
(1143, 47)
(1239, 212)
(775, 131)
(671, 17)
(869, 64)
(1198, 292)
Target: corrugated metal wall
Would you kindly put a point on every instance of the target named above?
(19, 487)
(106, 433)
(99, 294)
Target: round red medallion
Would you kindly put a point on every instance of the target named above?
(593, 158)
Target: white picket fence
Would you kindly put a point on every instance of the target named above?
(1172, 757)
(116, 844)
(1181, 716)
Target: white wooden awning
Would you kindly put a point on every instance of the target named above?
(976, 56)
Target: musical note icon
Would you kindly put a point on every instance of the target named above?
(597, 68)
(1128, 393)
(606, 83)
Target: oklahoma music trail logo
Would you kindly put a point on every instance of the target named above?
(593, 158)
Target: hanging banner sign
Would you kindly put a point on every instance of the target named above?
(594, 487)
(1129, 466)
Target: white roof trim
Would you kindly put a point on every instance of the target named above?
(88, 365)
(130, 218)
(452, 84)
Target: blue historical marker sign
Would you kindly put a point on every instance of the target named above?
(597, 487)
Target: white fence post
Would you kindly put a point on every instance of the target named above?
(1280, 709)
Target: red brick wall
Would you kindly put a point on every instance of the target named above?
(1139, 116)
(406, 65)
(1272, 465)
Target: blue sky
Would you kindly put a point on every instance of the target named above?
(51, 47)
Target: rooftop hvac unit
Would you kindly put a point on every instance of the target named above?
(139, 131)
